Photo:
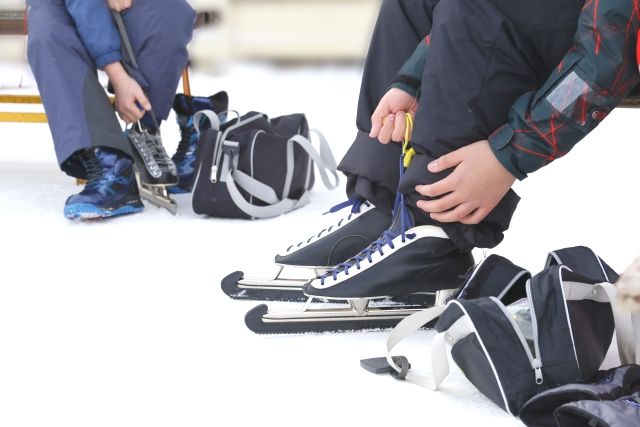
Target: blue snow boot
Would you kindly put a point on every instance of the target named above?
(111, 188)
(185, 107)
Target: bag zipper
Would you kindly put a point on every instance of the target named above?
(534, 361)
(534, 323)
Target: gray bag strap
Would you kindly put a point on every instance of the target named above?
(323, 159)
(411, 324)
(209, 114)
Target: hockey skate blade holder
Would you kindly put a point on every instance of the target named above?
(156, 195)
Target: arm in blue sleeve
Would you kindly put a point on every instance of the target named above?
(96, 29)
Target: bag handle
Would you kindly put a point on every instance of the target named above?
(323, 159)
(213, 118)
(236, 178)
(411, 324)
(627, 327)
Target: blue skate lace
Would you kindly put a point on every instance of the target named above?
(385, 240)
(355, 204)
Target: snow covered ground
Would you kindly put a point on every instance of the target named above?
(122, 323)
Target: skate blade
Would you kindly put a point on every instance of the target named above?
(157, 195)
(281, 287)
(261, 321)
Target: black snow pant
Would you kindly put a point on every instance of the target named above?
(483, 54)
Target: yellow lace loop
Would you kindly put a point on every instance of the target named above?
(407, 152)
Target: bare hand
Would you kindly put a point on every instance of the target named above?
(472, 190)
(131, 102)
(388, 121)
(120, 5)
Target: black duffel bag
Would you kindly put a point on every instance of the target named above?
(255, 167)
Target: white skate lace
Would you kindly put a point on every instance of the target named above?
(356, 206)
(152, 151)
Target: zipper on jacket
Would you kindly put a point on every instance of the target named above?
(534, 361)
(534, 324)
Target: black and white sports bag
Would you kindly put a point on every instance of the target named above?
(512, 350)
(255, 167)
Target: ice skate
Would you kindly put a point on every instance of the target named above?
(184, 158)
(111, 188)
(629, 287)
(312, 257)
(405, 270)
(155, 171)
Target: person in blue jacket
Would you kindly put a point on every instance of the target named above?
(69, 40)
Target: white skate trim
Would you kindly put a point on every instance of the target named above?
(345, 220)
(421, 232)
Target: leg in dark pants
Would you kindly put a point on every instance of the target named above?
(371, 167)
(483, 55)
(80, 115)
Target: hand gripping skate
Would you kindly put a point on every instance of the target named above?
(155, 171)
(407, 269)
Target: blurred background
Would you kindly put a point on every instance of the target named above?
(281, 31)
(275, 56)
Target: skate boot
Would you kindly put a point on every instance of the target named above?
(184, 158)
(312, 257)
(405, 271)
(405, 260)
(111, 188)
(155, 171)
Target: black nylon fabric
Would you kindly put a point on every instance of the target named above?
(513, 367)
(608, 385)
(624, 412)
(492, 277)
(469, 356)
(583, 260)
(262, 154)
(554, 333)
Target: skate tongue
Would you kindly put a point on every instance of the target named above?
(402, 221)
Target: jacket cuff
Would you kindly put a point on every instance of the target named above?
(500, 142)
(407, 84)
(108, 58)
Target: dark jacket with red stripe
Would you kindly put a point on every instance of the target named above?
(594, 76)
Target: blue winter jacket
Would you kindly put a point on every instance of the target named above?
(96, 29)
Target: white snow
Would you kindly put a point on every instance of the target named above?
(123, 323)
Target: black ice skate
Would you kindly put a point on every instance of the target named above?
(418, 264)
(155, 171)
(406, 261)
(315, 255)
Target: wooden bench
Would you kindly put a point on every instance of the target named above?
(14, 23)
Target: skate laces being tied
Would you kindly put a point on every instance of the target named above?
(401, 223)
(152, 151)
(355, 204)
